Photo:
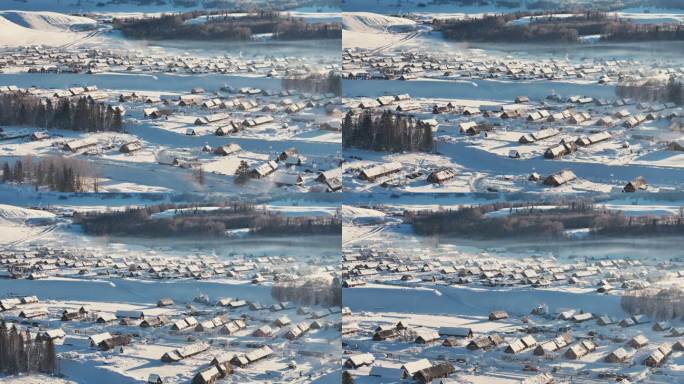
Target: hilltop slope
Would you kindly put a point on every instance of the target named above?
(18, 28)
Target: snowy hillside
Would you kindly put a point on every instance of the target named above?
(371, 22)
(375, 31)
(19, 214)
(44, 28)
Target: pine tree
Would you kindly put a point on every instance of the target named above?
(18, 172)
(199, 176)
(51, 178)
(108, 118)
(348, 131)
(22, 117)
(6, 172)
(4, 347)
(242, 173)
(63, 182)
(80, 119)
(50, 358)
(49, 114)
(347, 378)
(40, 116)
(117, 121)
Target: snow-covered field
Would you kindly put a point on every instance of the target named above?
(511, 90)
(193, 112)
(531, 127)
(53, 54)
(22, 28)
(500, 160)
(413, 297)
(109, 275)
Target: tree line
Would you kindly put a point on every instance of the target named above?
(529, 221)
(298, 29)
(660, 304)
(57, 173)
(197, 221)
(653, 90)
(312, 291)
(81, 114)
(642, 226)
(643, 32)
(388, 131)
(224, 26)
(541, 28)
(560, 6)
(284, 225)
(315, 83)
(19, 353)
(545, 27)
(184, 220)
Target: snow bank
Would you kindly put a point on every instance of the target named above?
(374, 31)
(350, 212)
(20, 215)
(371, 22)
(20, 28)
(16, 223)
(48, 21)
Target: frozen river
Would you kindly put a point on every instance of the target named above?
(299, 247)
(477, 89)
(569, 251)
(130, 291)
(463, 301)
(311, 50)
(662, 52)
(159, 82)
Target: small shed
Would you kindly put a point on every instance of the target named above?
(131, 147)
(619, 355)
(498, 315)
(638, 341)
(359, 360)
(637, 184)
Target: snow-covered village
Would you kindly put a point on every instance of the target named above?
(557, 291)
(153, 224)
(477, 99)
(341, 191)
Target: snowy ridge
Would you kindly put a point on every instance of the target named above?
(46, 21)
(46, 28)
(19, 214)
(371, 22)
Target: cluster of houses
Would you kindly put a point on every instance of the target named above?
(362, 64)
(249, 111)
(553, 114)
(568, 335)
(537, 339)
(75, 59)
(553, 128)
(246, 109)
(364, 265)
(41, 262)
(226, 317)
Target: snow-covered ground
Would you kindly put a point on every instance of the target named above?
(301, 122)
(105, 288)
(40, 43)
(469, 76)
(498, 161)
(22, 28)
(402, 286)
